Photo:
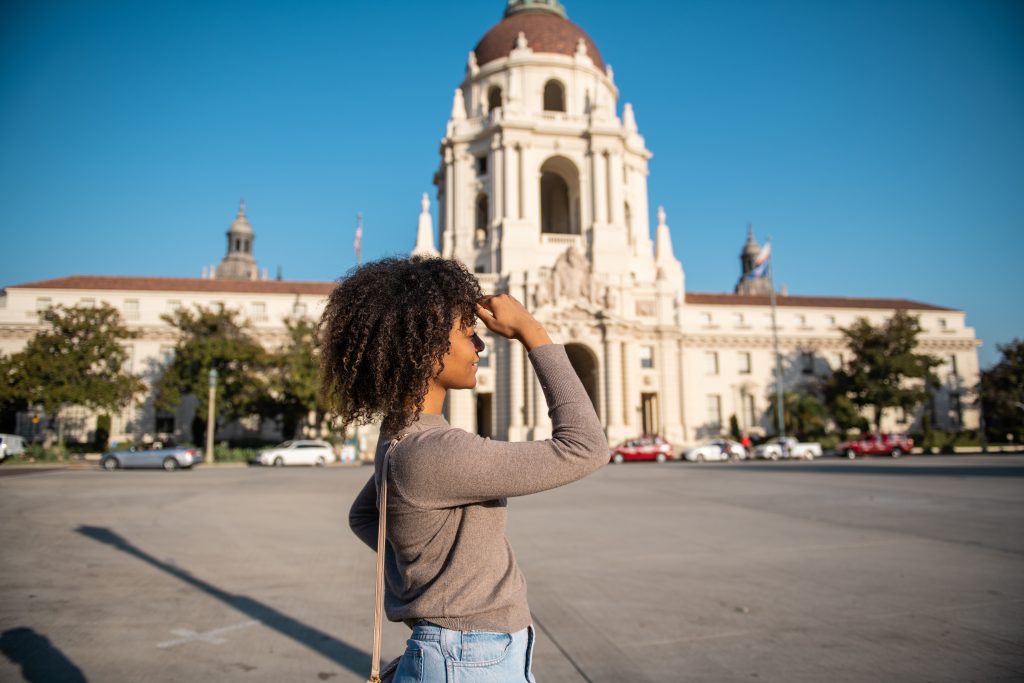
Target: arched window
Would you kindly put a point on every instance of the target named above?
(554, 96)
(559, 197)
(238, 244)
(554, 203)
(493, 98)
(482, 218)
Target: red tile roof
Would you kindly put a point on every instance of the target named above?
(545, 32)
(725, 299)
(186, 284)
(180, 284)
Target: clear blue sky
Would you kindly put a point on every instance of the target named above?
(879, 142)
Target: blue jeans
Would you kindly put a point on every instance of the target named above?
(440, 655)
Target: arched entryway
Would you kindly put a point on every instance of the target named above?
(584, 362)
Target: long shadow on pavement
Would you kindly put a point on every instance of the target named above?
(352, 658)
(40, 661)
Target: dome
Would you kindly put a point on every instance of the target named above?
(545, 31)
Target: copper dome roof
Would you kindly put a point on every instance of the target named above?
(545, 32)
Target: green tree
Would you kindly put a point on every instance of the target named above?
(734, 428)
(293, 378)
(803, 415)
(213, 339)
(884, 370)
(78, 360)
(1002, 393)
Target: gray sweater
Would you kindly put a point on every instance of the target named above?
(447, 558)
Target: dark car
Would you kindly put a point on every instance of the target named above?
(893, 445)
(169, 458)
(648, 447)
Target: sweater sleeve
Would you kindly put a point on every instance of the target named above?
(363, 516)
(443, 468)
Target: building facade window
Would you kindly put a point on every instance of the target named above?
(173, 306)
(131, 309)
(749, 410)
(87, 303)
(259, 311)
(554, 96)
(744, 363)
(737, 318)
(299, 309)
(43, 303)
(481, 165)
(714, 410)
(711, 362)
(801, 320)
(647, 357)
(807, 362)
(942, 323)
(705, 318)
(493, 98)
(831, 319)
(482, 218)
(555, 205)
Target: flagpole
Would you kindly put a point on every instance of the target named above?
(778, 359)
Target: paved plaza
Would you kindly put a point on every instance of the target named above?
(874, 570)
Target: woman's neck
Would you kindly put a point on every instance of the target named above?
(433, 402)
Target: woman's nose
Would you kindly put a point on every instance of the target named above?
(478, 343)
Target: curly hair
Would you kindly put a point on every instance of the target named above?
(384, 332)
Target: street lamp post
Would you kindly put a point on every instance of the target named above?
(211, 420)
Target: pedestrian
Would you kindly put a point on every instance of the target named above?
(396, 336)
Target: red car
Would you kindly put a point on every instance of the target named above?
(893, 445)
(645, 448)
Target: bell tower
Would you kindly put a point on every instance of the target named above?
(542, 191)
(238, 263)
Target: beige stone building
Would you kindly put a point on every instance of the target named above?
(542, 191)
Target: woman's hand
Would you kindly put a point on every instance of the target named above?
(503, 315)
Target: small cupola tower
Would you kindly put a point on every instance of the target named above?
(749, 284)
(238, 263)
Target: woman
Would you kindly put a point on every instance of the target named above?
(396, 335)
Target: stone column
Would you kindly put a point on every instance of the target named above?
(615, 187)
(613, 385)
(670, 390)
(599, 185)
(449, 207)
(631, 396)
(498, 205)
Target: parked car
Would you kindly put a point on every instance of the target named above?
(11, 444)
(648, 447)
(893, 445)
(719, 449)
(774, 449)
(169, 458)
(301, 452)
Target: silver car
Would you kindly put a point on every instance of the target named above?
(170, 458)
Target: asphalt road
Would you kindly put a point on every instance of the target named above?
(871, 570)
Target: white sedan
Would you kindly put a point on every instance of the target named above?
(715, 450)
(317, 453)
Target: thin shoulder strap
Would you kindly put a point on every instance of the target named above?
(378, 607)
